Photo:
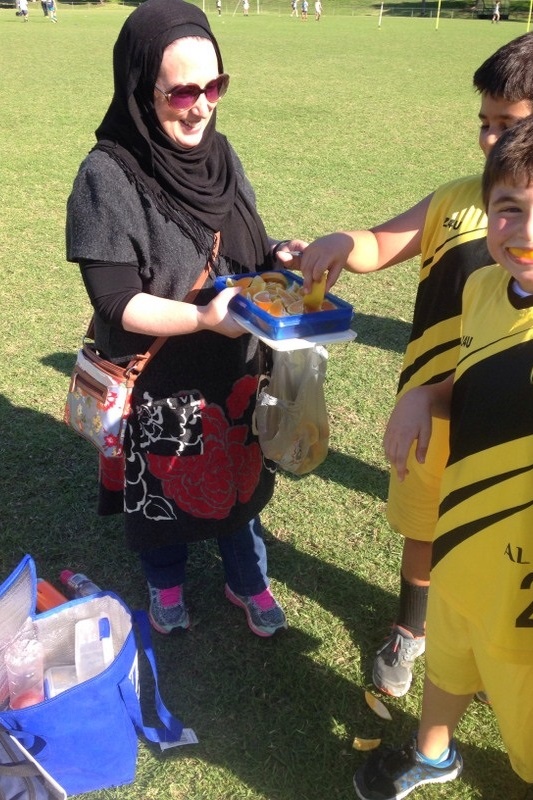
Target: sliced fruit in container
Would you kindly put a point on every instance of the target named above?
(275, 277)
(263, 300)
(276, 308)
(313, 301)
(242, 283)
(296, 308)
(257, 284)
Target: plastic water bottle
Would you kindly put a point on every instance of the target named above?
(78, 584)
(24, 666)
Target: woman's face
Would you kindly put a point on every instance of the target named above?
(186, 61)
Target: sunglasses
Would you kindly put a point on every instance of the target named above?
(183, 97)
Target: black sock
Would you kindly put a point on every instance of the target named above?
(413, 607)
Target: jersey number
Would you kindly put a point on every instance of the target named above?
(525, 619)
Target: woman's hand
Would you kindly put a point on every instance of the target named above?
(216, 317)
(156, 316)
(288, 255)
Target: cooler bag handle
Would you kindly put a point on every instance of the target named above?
(173, 727)
(20, 777)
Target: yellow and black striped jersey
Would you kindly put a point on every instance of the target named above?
(453, 246)
(483, 547)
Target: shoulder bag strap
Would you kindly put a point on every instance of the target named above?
(203, 276)
(140, 362)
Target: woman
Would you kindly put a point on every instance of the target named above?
(141, 223)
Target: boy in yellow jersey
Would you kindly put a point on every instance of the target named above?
(480, 614)
(447, 229)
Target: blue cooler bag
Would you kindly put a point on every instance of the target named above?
(85, 736)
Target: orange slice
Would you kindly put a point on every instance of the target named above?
(365, 744)
(275, 277)
(276, 308)
(377, 706)
(297, 307)
(257, 284)
(313, 300)
(521, 252)
(286, 297)
(263, 300)
(242, 283)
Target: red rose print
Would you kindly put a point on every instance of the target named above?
(239, 399)
(247, 463)
(209, 485)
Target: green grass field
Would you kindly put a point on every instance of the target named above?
(340, 124)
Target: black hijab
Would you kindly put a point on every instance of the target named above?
(197, 187)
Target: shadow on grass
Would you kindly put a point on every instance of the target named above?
(281, 713)
(62, 362)
(352, 473)
(386, 333)
(48, 478)
(278, 714)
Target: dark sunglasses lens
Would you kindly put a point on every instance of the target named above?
(216, 89)
(184, 97)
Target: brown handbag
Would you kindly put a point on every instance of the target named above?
(99, 396)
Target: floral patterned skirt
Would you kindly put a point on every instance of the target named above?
(193, 469)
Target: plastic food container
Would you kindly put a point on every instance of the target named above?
(59, 679)
(93, 645)
(292, 326)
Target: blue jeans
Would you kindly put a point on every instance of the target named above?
(243, 556)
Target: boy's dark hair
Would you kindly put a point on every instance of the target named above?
(511, 159)
(508, 73)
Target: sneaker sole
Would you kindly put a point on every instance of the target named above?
(167, 631)
(399, 796)
(392, 692)
(258, 632)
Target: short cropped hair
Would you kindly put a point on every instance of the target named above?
(511, 159)
(508, 73)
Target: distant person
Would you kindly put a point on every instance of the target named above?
(52, 10)
(245, 7)
(294, 7)
(219, 7)
(318, 10)
(496, 13)
(305, 9)
(447, 229)
(480, 614)
(23, 9)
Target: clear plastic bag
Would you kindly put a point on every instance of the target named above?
(291, 414)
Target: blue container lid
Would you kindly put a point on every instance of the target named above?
(291, 326)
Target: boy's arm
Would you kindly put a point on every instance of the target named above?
(366, 251)
(410, 421)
